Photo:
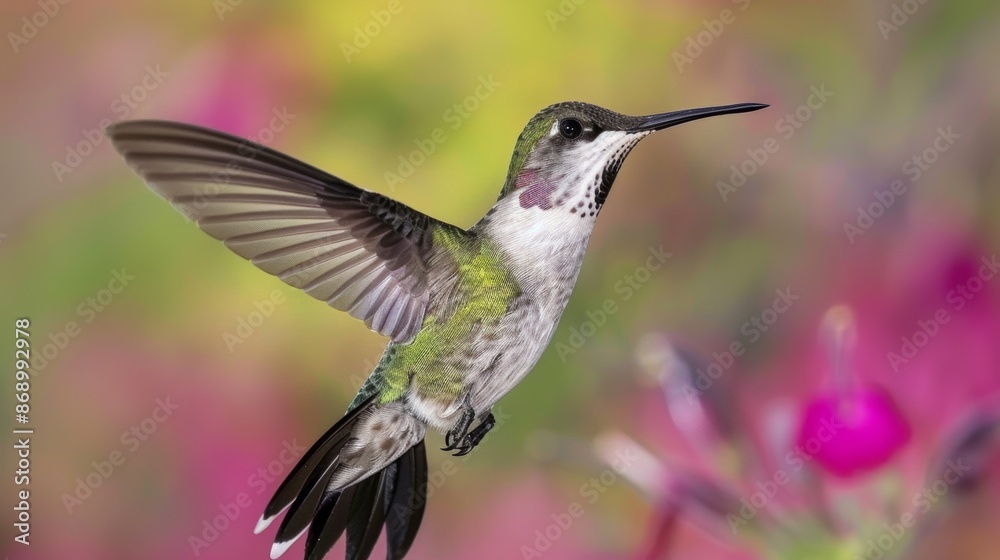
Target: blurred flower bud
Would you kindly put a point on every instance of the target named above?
(701, 405)
(849, 434)
(632, 461)
(967, 456)
(852, 427)
(709, 504)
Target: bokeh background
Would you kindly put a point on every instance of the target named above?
(163, 423)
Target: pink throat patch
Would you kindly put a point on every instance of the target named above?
(537, 192)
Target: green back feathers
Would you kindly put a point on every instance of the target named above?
(485, 288)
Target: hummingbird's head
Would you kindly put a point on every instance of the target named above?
(569, 154)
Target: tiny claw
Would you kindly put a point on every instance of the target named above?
(458, 433)
(450, 442)
(463, 451)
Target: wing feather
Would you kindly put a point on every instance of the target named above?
(356, 250)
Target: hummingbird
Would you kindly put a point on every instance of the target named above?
(468, 312)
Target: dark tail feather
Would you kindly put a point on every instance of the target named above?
(367, 517)
(330, 522)
(300, 513)
(405, 501)
(395, 497)
(317, 456)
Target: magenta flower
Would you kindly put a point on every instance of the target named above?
(830, 477)
(852, 427)
(855, 433)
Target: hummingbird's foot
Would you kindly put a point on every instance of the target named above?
(472, 439)
(458, 432)
(480, 431)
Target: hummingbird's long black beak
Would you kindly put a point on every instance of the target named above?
(674, 118)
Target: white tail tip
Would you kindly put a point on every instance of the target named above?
(262, 524)
(279, 548)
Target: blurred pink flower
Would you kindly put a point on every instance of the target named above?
(854, 433)
(808, 473)
(853, 427)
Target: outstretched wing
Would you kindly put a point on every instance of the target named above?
(359, 251)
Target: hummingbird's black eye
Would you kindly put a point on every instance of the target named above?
(570, 128)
